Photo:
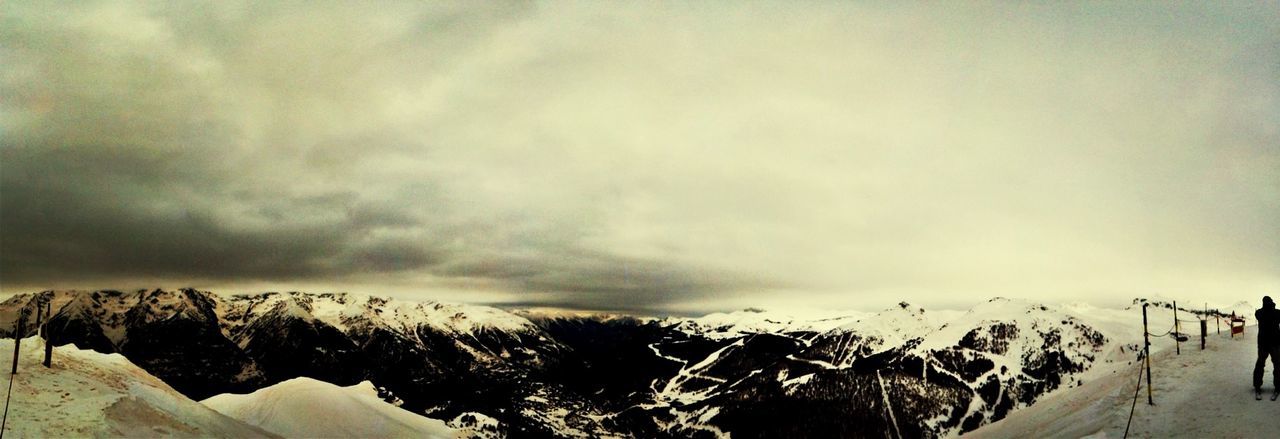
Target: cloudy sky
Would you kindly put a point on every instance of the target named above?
(655, 156)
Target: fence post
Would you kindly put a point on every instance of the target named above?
(39, 315)
(1204, 331)
(18, 327)
(1146, 338)
(1177, 331)
(17, 344)
(48, 340)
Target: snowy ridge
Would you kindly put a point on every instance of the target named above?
(756, 321)
(1014, 351)
(340, 310)
(10, 308)
(485, 333)
(885, 330)
(303, 407)
(110, 311)
(87, 394)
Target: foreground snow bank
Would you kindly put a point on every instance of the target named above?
(90, 394)
(304, 407)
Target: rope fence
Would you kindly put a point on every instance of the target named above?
(44, 312)
(1175, 332)
(1137, 387)
(1168, 332)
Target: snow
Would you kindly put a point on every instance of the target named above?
(90, 394)
(458, 318)
(674, 392)
(332, 310)
(1097, 408)
(802, 379)
(893, 327)
(1197, 394)
(723, 326)
(548, 409)
(9, 308)
(304, 407)
(340, 309)
(546, 313)
(477, 425)
(888, 404)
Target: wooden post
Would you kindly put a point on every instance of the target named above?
(18, 327)
(1204, 331)
(1146, 338)
(39, 315)
(1217, 321)
(48, 340)
(1177, 331)
(17, 344)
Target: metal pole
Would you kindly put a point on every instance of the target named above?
(1177, 331)
(1146, 338)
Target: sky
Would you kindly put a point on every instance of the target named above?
(666, 157)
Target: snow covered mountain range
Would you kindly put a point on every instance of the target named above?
(903, 371)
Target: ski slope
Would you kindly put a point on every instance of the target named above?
(90, 394)
(1197, 394)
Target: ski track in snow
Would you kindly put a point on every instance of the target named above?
(888, 406)
(672, 392)
(654, 347)
(819, 363)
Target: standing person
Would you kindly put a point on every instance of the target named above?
(1268, 346)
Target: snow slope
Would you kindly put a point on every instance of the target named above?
(341, 309)
(89, 394)
(304, 407)
(1197, 394)
(725, 326)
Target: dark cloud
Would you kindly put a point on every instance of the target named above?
(640, 156)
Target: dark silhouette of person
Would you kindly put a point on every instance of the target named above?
(1268, 344)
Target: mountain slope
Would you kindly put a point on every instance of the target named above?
(1197, 394)
(897, 371)
(750, 373)
(87, 393)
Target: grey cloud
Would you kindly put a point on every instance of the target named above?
(643, 156)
